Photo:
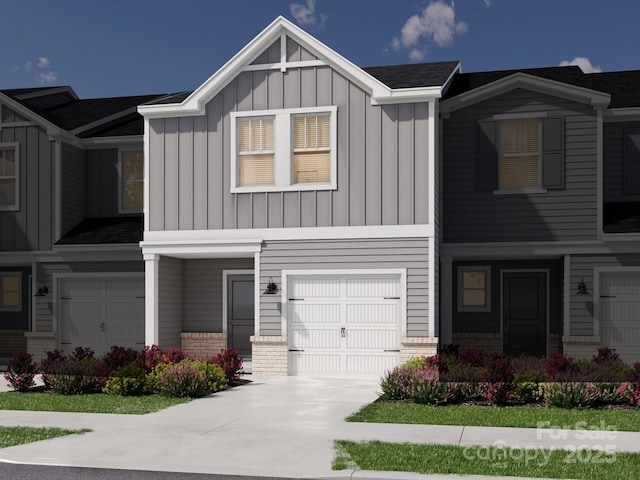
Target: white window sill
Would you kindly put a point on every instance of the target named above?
(520, 191)
(307, 187)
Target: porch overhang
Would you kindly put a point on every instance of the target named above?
(202, 248)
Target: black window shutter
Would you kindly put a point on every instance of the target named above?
(553, 153)
(487, 157)
(631, 160)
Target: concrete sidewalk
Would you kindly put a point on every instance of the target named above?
(280, 427)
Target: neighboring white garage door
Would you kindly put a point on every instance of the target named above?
(101, 312)
(620, 314)
(343, 325)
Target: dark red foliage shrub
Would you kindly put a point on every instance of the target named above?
(230, 362)
(473, 357)
(74, 374)
(80, 353)
(499, 368)
(498, 393)
(153, 355)
(633, 375)
(607, 356)
(20, 372)
(120, 357)
(560, 367)
(175, 355)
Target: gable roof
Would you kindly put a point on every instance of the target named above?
(280, 28)
(434, 74)
(622, 86)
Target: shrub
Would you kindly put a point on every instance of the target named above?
(129, 380)
(396, 384)
(498, 393)
(528, 392)
(182, 379)
(499, 368)
(582, 394)
(633, 374)
(21, 372)
(560, 367)
(472, 356)
(426, 389)
(119, 357)
(175, 355)
(415, 363)
(75, 374)
(230, 363)
(215, 375)
(630, 393)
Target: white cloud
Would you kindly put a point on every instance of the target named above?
(28, 66)
(43, 62)
(435, 24)
(487, 3)
(305, 14)
(584, 63)
(48, 78)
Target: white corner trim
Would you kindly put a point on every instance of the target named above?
(599, 174)
(151, 300)
(274, 234)
(57, 195)
(256, 293)
(431, 289)
(146, 150)
(566, 298)
(431, 162)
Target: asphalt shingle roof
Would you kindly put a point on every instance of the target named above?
(96, 231)
(433, 74)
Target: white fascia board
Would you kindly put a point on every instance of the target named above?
(212, 249)
(538, 249)
(623, 237)
(408, 95)
(111, 142)
(622, 114)
(98, 247)
(529, 82)
(283, 234)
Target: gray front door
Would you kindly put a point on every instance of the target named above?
(240, 313)
(525, 313)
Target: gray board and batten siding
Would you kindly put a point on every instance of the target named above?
(31, 227)
(563, 214)
(382, 157)
(411, 254)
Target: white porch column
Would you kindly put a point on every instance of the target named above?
(446, 298)
(151, 264)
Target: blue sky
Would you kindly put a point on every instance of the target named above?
(128, 47)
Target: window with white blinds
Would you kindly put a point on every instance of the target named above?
(311, 148)
(132, 181)
(519, 154)
(9, 168)
(256, 151)
(284, 150)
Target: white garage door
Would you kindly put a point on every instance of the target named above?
(343, 325)
(620, 314)
(101, 312)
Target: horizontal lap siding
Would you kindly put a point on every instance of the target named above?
(170, 302)
(74, 187)
(613, 148)
(381, 159)
(31, 227)
(202, 290)
(409, 254)
(45, 306)
(567, 214)
(582, 306)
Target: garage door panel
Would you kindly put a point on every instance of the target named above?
(361, 339)
(368, 313)
(81, 288)
(620, 314)
(315, 338)
(124, 310)
(309, 288)
(125, 288)
(313, 313)
(86, 311)
(372, 287)
(621, 310)
(315, 363)
(623, 283)
(370, 365)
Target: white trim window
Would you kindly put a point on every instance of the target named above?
(520, 158)
(9, 177)
(131, 182)
(10, 291)
(474, 289)
(284, 150)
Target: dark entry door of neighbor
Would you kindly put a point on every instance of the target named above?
(240, 313)
(524, 313)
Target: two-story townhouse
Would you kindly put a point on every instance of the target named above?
(71, 271)
(291, 210)
(540, 212)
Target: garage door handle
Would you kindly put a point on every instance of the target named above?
(391, 298)
(296, 299)
(140, 297)
(65, 343)
(295, 350)
(607, 296)
(391, 350)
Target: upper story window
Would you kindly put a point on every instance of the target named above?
(519, 155)
(131, 168)
(284, 150)
(9, 177)
(10, 291)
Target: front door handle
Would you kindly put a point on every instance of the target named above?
(103, 327)
(343, 332)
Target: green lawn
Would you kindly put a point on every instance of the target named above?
(495, 461)
(10, 436)
(96, 403)
(524, 417)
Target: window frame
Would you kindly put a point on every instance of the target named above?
(461, 307)
(15, 206)
(283, 150)
(17, 308)
(532, 189)
(121, 181)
